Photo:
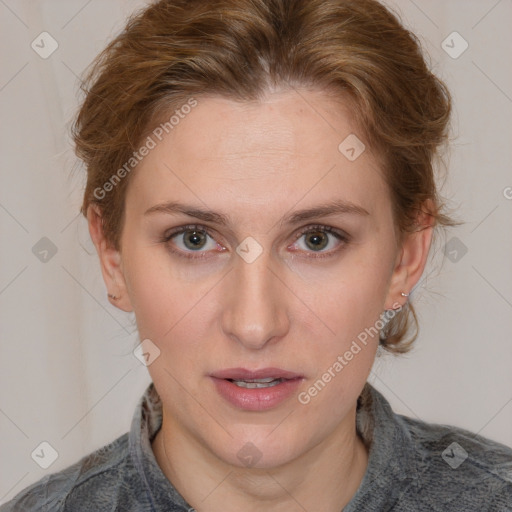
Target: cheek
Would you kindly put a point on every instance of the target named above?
(172, 310)
(350, 303)
(350, 294)
(158, 301)
(344, 355)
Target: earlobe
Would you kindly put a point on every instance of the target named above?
(411, 261)
(110, 261)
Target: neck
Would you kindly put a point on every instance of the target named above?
(323, 479)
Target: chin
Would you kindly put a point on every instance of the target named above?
(258, 451)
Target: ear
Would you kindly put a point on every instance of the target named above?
(110, 261)
(412, 258)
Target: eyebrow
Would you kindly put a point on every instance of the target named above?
(338, 207)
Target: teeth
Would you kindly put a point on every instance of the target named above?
(257, 383)
(268, 379)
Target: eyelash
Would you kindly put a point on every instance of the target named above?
(340, 235)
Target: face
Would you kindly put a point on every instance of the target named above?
(260, 286)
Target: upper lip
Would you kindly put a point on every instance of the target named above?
(246, 374)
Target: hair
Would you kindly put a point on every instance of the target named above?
(174, 51)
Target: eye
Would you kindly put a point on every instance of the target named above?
(191, 239)
(197, 239)
(317, 238)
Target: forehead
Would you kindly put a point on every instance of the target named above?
(289, 147)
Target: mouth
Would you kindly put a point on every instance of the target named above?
(257, 383)
(256, 390)
(263, 378)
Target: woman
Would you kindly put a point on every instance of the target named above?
(261, 194)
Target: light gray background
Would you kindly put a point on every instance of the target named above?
(67, 374)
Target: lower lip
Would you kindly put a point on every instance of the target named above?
(256, 399)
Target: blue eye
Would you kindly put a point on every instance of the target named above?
(317, 238)
(320, 238)
(197, 239)
(193, 239)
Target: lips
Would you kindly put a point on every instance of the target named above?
(256, 390)
(248, 375)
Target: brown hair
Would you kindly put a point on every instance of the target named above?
(176, 50)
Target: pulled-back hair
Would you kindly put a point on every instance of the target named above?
(173, 51)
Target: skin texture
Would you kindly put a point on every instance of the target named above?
(257, 162)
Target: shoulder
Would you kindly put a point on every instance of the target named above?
(462, 470)
(80, 486)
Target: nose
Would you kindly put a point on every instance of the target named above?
(255, 312)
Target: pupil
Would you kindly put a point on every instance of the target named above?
(196, 237)
(319, 240)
